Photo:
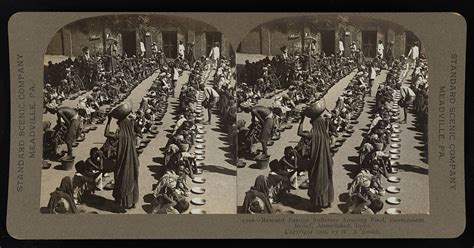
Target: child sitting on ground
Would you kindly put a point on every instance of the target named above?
(278, 181)
(289, 162)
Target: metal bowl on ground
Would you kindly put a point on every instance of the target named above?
(145, 141)
(395, 139)
(142, 145)
(75, 144)
(200, 164)
(199, 180)
(198, 201)
(288, 126)
(394, 200)
(275, 137)
(198, 211)
(346, 135)
(200, 152)
(151, 136)
(199, 126)
(200, 140)
(394, 179)
(395, 163)
(354, 122)
(199, 136)
(393, 211)
(394, 151)
(394, 170)
(270, 143)
(337, 144)
(397, 130)
(158, 123)
(395, 145)
(199, 119)
(80, 139)
(395, 135)
(199, 171)
(86, 130)
(334, 149)
(201, 131)
(198, 190)
(281, 129)
(393, 189)
(342, 139)
(200, 146)
(92, 128)
(140, 150)
(395, 156)
(200, 157)
(350, 130)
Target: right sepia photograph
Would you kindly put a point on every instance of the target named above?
(332, 118)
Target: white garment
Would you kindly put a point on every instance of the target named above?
(414, 52)
(181, 50)
(380, 49)
(341, 46)
(215, 53)
(142, 47)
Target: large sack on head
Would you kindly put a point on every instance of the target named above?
(314, 110)
(122, 110)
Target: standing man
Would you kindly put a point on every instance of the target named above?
(142, 49)
(284, 53)
(190, 54)
(380, 49)
(265, 117)
(211, 99)
(414, 54)
(341, 47)
(389, 54)
(215, 54)
(181, 50)
(408, 97)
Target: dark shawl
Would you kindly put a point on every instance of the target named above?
(321, 190)
(64, 191)
(259, 190)
(126, 170)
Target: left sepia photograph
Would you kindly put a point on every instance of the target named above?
(139, 111)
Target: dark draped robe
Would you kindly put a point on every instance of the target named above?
(259, 190)
(321, 189)
(126, 170)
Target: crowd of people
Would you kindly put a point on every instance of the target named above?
(108, 88)
(330, 128)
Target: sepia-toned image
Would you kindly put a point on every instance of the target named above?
(137, 115)
(332, 117)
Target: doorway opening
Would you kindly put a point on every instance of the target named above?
(170, 44)
(369, 43)
(211, 39)
(129, 42)
(328, 41)
(411, 38)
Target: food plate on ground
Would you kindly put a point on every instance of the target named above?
(396, 139)
(394, 179)
(80, 139)
(200, 164)
(199, 136)
(395, 145)
(151, 136)
(395, 151)
(346, 135)
(200, 152)
(201, 131)
(199, 180)
(198, 171)
(199, 127)
(397, 130)
(200, 140)
(198, 190)
(200, 157)
(289, 126)
(393, 189)
(275, 138)
(270, 143)
(200, 146)
(140, 150)
(75, 144)
(395, 156)
(199, 118)
(198, 211)
(393, 211)
(334, 149)
(394, 200)
(394, 163)
(198, 201)
(337, 143)
(92, 128)
(354, 122)
(394, 135)
(393, 171)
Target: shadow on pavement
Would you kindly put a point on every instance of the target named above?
(413, 168)
(296, 202)
(219, 169)
(100, 203)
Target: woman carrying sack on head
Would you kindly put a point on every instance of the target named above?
(321, 189)
(125, 189)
